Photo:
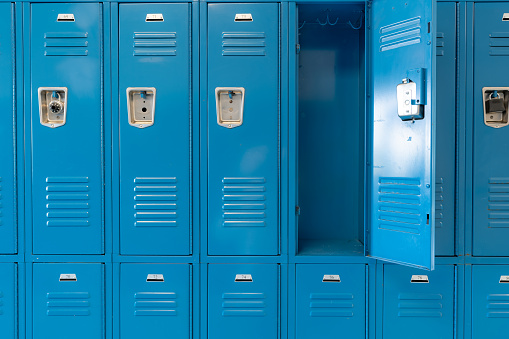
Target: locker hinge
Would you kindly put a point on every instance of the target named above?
(297, 48)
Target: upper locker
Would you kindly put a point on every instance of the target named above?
(67, 122)
(401, 159)
(243, 129)
(7, 132)
(154, 77)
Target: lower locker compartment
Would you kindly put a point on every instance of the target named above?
(418, 302)
(8, 310)
(490, 301)
(155, 301)
(68, 301)
(331, 301)
(243, 301)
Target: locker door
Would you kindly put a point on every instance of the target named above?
(401, 160)
(8, 300)
(68, 298)
(243, 149)
(155, 301)
(155, 159)
(490, 165)
(490, 304)
(243, 301)
(331, 301)
(67, 146)
(7, 131)
(412, 299)
(446, 129)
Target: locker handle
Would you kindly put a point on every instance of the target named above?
(504, 279)
(68, 277)
(155, 278)
(419, 279)
(243, 278)
(331, 278)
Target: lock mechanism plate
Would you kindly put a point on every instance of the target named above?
(230, 106)
(495, 109)
(408, 107)
(141, 104)
(52, 106)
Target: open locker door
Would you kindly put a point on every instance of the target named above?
(401, 174)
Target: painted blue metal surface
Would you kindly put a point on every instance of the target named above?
(155, 301)
(328, 308)
(445, 165)
(428, 300)
(243, 162)
(8, 195)
(75, 308)
(490, 296)
(246, 308)
(155, 161)
(67, 171)
(401, 172)
(490, 178)
(8, 300)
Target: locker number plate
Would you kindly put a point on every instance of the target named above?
(420, 279)
(504, 279)
(331, 278)
(68, 277)
(155, 277)
(243, 278)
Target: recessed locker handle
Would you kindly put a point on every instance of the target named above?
(52, 106)
(331, 278)
(504, 279)
(243, 278)
(155, 278)
(68, 277)
(419, 279)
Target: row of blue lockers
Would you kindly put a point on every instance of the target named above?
(253, 301)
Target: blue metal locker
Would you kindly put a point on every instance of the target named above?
(490, 175)
(401, 172)
(331, 301)
(243, 301)
(446, 130)
(243, 129)
(67, 121)
(490, 301)
(155, 301)
(8, 300)
(418, 302)
(154, 61)
(8, 194)
(68, 298)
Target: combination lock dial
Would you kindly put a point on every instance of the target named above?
(55, 107)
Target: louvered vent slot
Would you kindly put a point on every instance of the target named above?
(155, 303)
(498, 203)
(400, 34)
(440, 44)
(499, 43)
(244, 202)
(68, 304)
(420, 305)
(67, 202)
(244, 44)
(331, 305)
(155, 44)
(399, 201)
(244, 305)
(65, 44)
(439, 202)
(155, 202)
(497, 306)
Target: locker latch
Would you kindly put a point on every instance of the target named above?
(496, 101)
(243, 278)
(141, 103)
(409, 107)
(52, 106)
(230, 106)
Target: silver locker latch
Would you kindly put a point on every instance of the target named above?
(141, 104)
(230, 106)
(496, 102)
(408, 106)
(52, 106)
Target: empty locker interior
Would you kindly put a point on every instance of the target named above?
(331, 129)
